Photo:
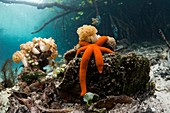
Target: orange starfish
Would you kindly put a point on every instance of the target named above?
(88, 50)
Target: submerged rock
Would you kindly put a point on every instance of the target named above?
(122, 74)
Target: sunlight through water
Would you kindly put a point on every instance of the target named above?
(35, 1)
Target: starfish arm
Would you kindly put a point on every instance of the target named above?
(105, 50)
(81, 49)
(98, 59)
(101, 40)
(83, 43)
(83, 69)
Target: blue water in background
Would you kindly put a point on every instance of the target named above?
(16, 24)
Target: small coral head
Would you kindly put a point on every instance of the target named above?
(39, 49)
(36, 40)
(43, 46)
(87, 33)
(17, 56)
(27, 46)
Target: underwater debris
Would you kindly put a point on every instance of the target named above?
(110, 102)
(4, 101)
(43, 100)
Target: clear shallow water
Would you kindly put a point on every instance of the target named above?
(16, 24)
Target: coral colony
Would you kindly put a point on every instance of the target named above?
(36, 54)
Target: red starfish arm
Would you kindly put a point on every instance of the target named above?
(81, 49)
(105, 50)
(101, 40)
(83, 69)
(98, 58)
(83, 43)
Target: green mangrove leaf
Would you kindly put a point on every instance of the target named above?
(80, 13)
(82, 3)
(76, 18)
(90, 1)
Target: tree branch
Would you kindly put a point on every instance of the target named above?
(164, 38)
(52, 19)
(60, 15)
(38, 5)
(68, 9)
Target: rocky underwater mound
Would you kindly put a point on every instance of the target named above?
(122, 74)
